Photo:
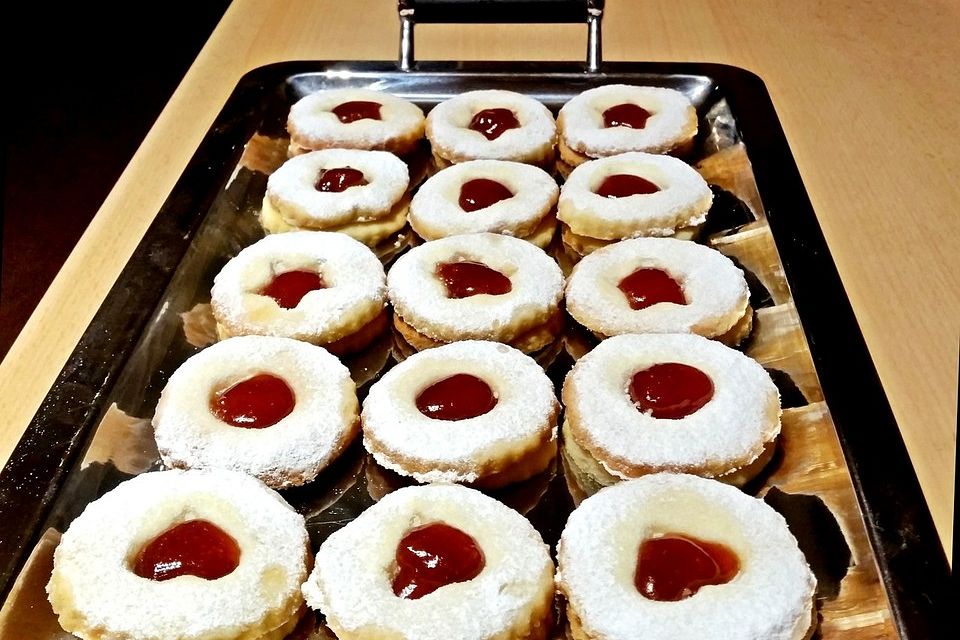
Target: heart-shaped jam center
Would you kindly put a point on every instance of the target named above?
(288, 288)
(624, 185)
(670, 390)
(493, 122)
(675, 566)
(458, 397)
(339, 179)
(465, 279)
(357, 110)
(480, 193)
(626, 115)
(254, 403)
(647, 286)
(192, 548)
(433, 556)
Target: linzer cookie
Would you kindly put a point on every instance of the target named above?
(630, 196)
(275, 408)
(474, 411)
(510, 198)
(682, 558)
(192, 555)
(319, 287)
(660, 285)
(640, 404)
(360, 193)
(354, 119)
(480, 286)
(434, 563)
(494, 125)
(618, 118)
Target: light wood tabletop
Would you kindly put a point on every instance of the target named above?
(864, 90)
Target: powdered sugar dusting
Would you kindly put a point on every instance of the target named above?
(771, 598)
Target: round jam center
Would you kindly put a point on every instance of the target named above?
(493, 122)
(626, 115)
(646, 287)
(254, 403)
(675, 566)
(192, 548)
(339, 179)
(623, 185)
(670, 390)
(433, 556)
(465, 279)
(458, 397)
(357, 110)
(289, 288)
(480, 193)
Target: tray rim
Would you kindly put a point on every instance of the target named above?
(908, 551)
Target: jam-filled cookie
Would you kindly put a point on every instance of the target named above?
(629, 196)
(682, 558)
(492, 124)
(360, 193)
(276, 408)
(182, 555)
(660, 285)
(618, 118)
(473, 411)
(354, 119)
(511, 198)
(639, 404)
(435, 562)
(319, 287)
(479, 286)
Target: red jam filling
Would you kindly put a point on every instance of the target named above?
(289, 288)
(192, 548)
(480, 193)
(670, 390)
(465, 279)
(357, 110)
(646, 287)
(493, 122)
(626, 115)
(254, 403)
(339, 179)
(622, 185)
(675, 566)
(458, 397)
(433, 556)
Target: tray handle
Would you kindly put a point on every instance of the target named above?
(500, 12)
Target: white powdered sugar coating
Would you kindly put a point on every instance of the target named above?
(93, 572)
(523, 418)
(771, 598)
(312, 123)
(435, 210)
(683, 200)
(292, 451)
(714, 288)
(420, 298)
(673, 120)
(449, 132)
(351, 583)
(355, 287)
(735, 424)
(292, 188)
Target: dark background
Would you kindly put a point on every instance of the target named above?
(84, 83)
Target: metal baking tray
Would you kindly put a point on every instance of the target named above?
(865, 528)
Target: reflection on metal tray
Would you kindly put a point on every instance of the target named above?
(861, 520)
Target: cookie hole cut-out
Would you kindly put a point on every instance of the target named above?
(670, 390)
(646, 287)
(481, 193)
(354, 110)
(465, 279)
(459, 397)
(624, 185)
(288, 288)
(674, 567)
(339, 179)
(626, 115)
(492, 123)
(255, 403)
(195, 548)
(433, 556)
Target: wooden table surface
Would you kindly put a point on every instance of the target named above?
(866, 92)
